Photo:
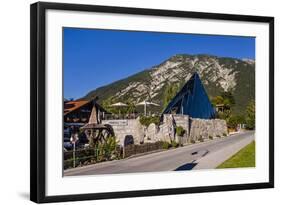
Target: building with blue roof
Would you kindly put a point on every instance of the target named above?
(192, 100)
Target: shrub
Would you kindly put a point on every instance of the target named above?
(201, 139)
(99, 152)
(224, 134)
(180, 131)
(211, 137)
(147, 120)
(174, 144)
(108, 149)
(192, 141)
(165, 145)
(218, 136)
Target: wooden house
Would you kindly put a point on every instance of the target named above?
(77, 113)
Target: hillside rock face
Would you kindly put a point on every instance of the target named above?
(217, 74)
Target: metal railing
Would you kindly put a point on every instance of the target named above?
(81, 157)
(87, 156)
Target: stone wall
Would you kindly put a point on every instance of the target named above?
(183, 121)
(131, 131)
(206, 128)
(127, 129)
(151, 133)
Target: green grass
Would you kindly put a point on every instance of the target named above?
(243, 158)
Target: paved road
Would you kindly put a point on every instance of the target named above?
(202, 155)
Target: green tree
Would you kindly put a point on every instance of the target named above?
(250, 115)
(234, 120)
(227, 103)
(107, 105)
(169, 93)
(229, 97)
(217, 100)
(226, 100)
(131, 107)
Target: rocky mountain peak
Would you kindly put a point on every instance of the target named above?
(217, 74)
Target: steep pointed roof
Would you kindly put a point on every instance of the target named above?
(192, 100)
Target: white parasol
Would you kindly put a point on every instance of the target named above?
(119, 104)
(146, 103)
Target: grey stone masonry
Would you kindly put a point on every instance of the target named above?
(183, 121)
(128, 127)
(152, 133)
(194, 129)
(201, 128)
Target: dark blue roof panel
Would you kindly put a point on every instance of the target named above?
(192, 100)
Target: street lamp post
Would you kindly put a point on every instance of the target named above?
(73, 139)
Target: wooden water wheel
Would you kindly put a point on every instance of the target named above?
(97, 132)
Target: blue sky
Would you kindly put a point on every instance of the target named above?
(93, 58)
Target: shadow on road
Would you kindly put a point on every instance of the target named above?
(191, 165)
(188, 166)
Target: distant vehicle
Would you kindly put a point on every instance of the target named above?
(67, 144)
(83, 140)
(80, 143)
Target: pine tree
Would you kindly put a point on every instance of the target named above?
(250, 115)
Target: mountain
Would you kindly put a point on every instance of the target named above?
(217, 74)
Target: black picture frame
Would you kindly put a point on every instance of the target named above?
(38, 103)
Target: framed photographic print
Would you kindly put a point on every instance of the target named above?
(129, 102)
